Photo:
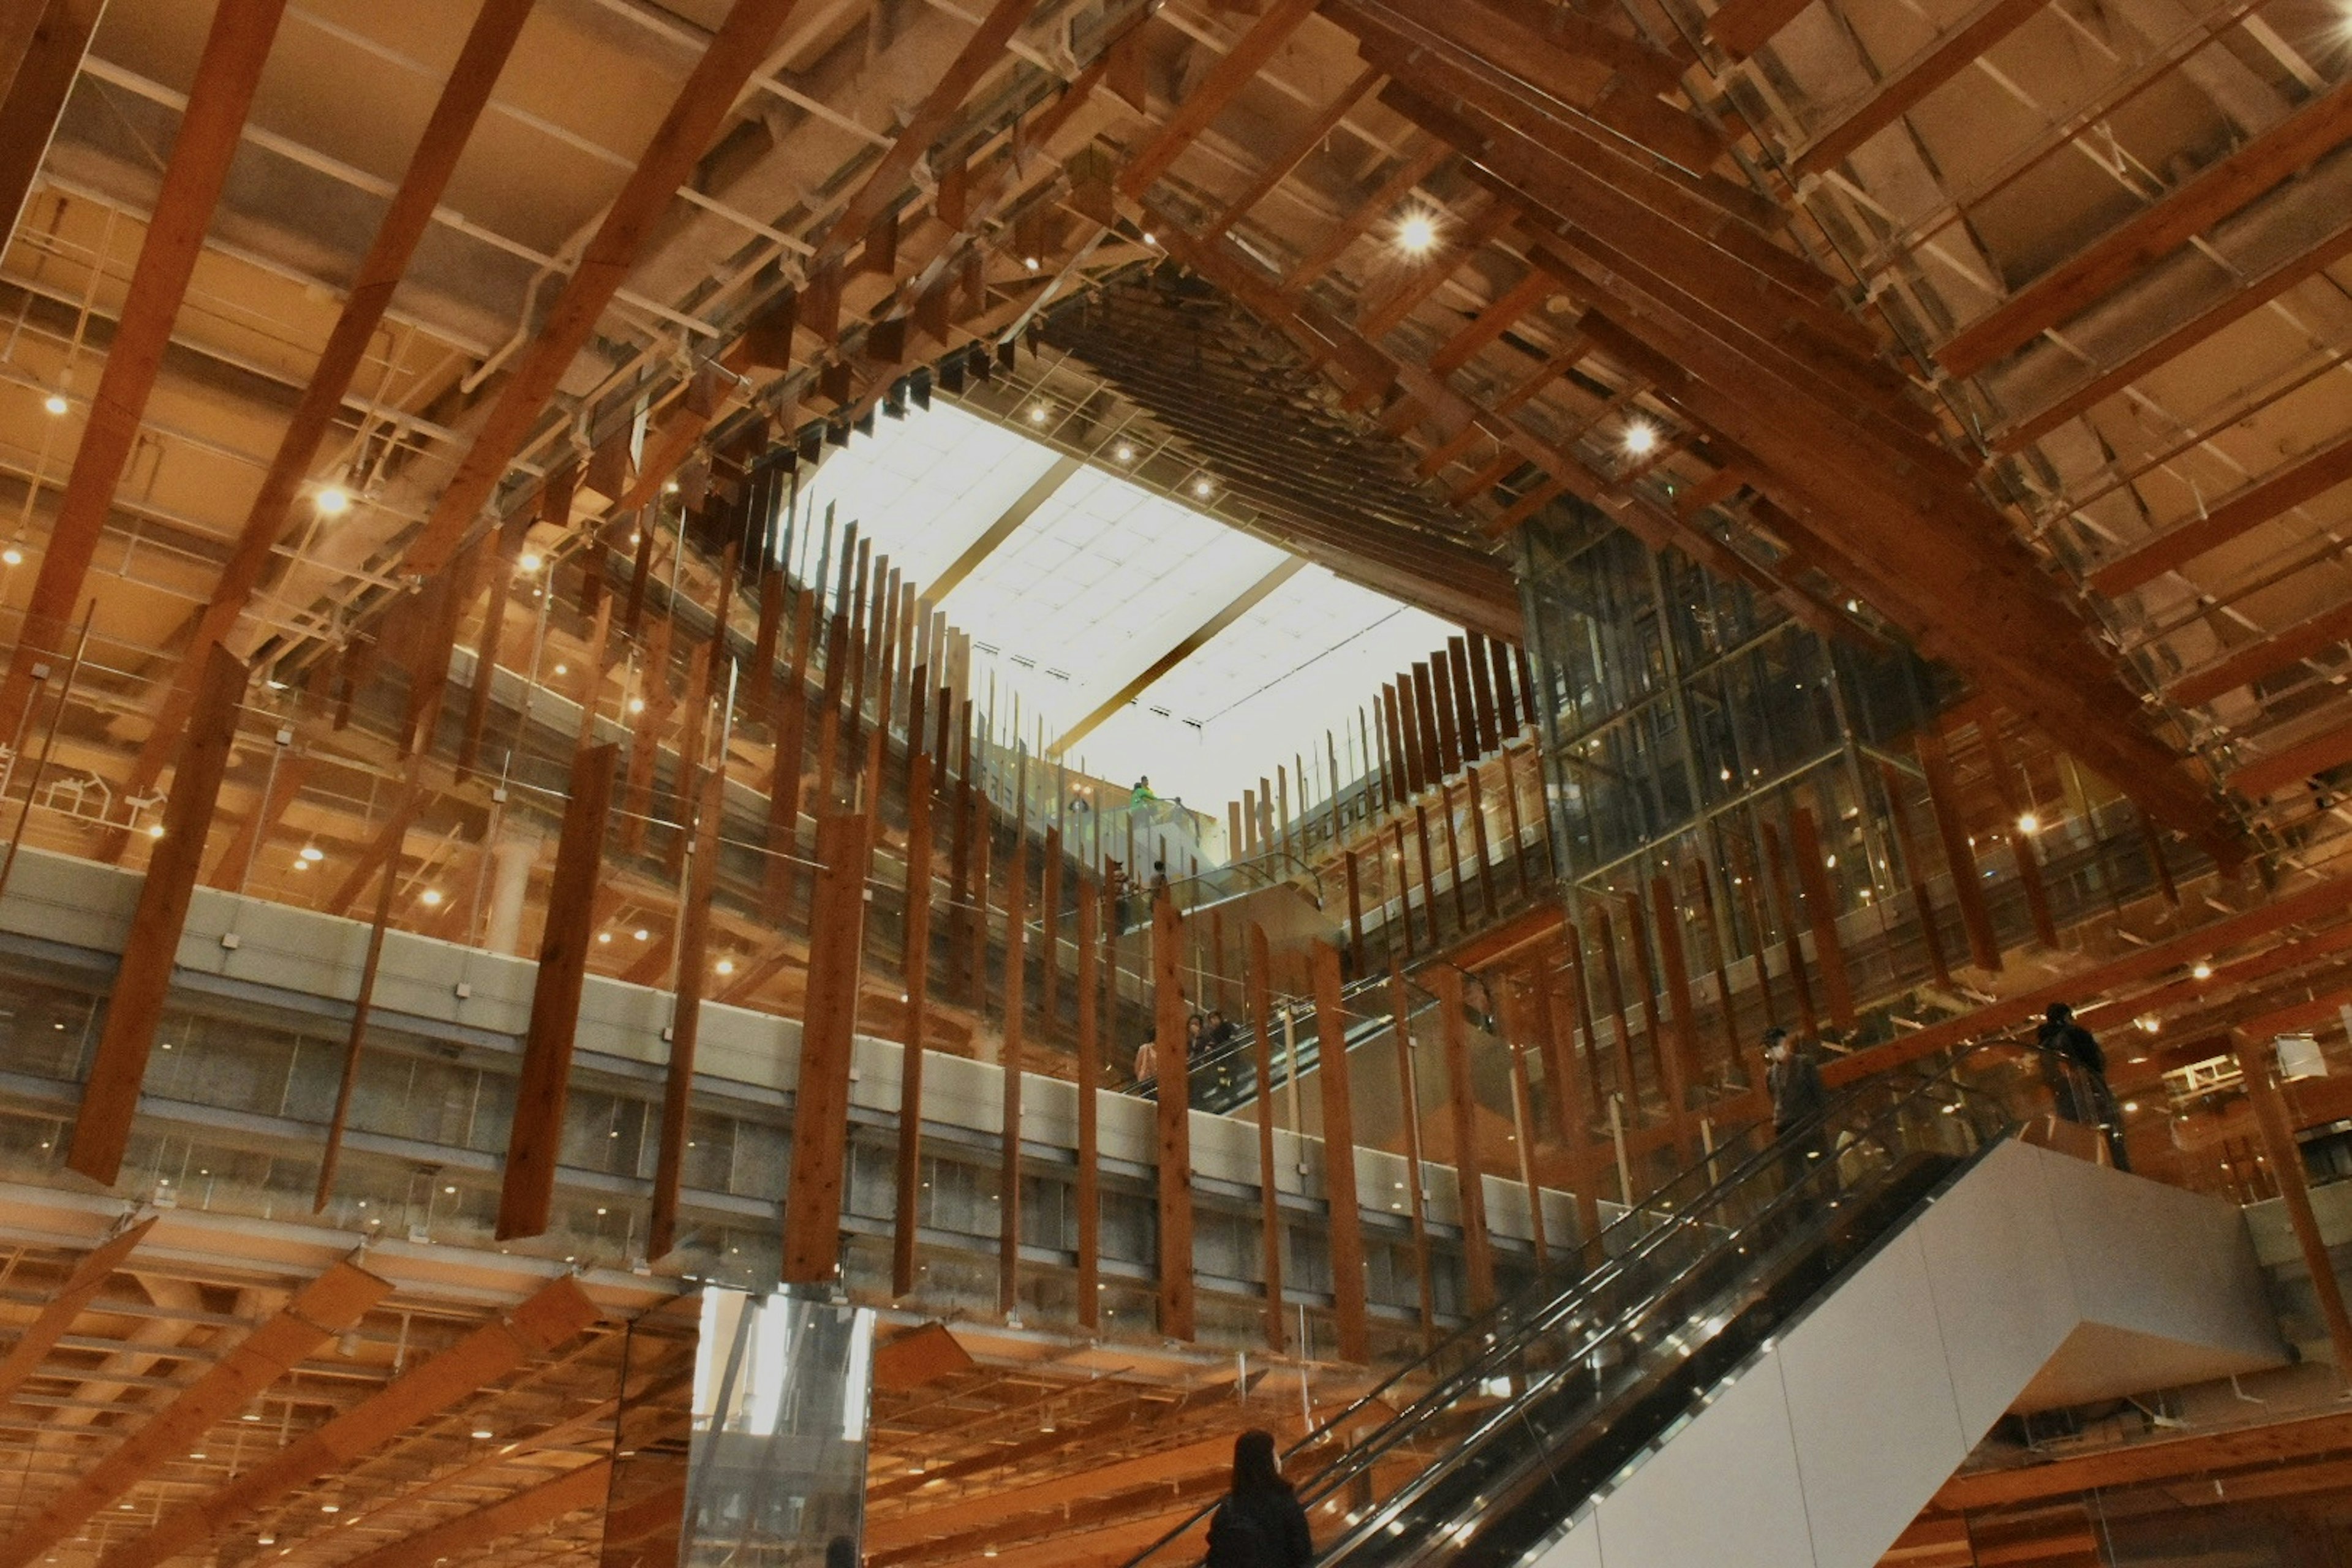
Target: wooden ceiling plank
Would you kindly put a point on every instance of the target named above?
(1743, 26)
(552, 1314)
(1898, 94)
(2267, 775)
(702, 105)
(2123, 252)
(325, 1307)
(878, 195)
(57, 1313)
(210, 128)
(2282, 490)
(37, 80)
(1285, 162)
(1225, 79)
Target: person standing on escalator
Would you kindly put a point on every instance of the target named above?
(1794, 1081)
(1259, 1524)
(2084, 1095)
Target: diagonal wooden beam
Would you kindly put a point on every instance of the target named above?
(2108, 262)
(1493, 322)
(551, 1315)
(702, 105)
(2323, 899)
(569, 1492)
(322, 1309)
(2311, 474)
(2266, 775)
(2279, 652)
(982, 52)
(218, 100)
(37, 80)
(1239, 67)
(1930, 68)
(1279, 167)
(1744, 26)
(1186, 646)
(464, 96)
(1002, 529)
(56, 1315)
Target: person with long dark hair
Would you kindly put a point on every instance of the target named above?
(1260, 1523)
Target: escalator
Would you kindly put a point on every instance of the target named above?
(1487, 1450)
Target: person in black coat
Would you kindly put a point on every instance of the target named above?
(2081, 1096)
(1259, 1524)
(1794, 1081)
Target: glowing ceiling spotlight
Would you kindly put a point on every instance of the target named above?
(1416, 232)
(1641, 438)
(331, 501)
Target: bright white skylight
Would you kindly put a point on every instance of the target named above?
(1104, 580)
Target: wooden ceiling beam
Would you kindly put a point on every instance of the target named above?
(2154, 232)
(2274, 494)
(1193, 642)
(1283, 163)
(2274, 655)
(2266, 775)
(1492, 323)
(334, 1302)
(2322, 899)
(1743, 26)
(37, 81)
(880, 192)
(2163, 1459)
(57, 1313)
(575, 1489)
(1236, 69)
(1376, 322)
(703, 104)
(210, 127)
(464, 96)
(1365, 214)
(1898, 94)
(555, 1313)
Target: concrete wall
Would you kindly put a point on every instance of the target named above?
(2036, 1280)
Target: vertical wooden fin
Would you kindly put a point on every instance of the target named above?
(1175, 1118)
(1016, 980)
(1976, 917)
(686, 1024)
(1261, 1006)
(1089, 1193)
(1346, 1218)
(812, 1252)
(110, 1095)
(906, 1215)
(545, 1084)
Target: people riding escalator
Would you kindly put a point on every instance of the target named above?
(1794, 1081)
(2083, 1095)
(1260, 1523)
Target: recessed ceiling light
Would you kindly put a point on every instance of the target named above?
(332, 501)
(431, 898)
(530, 561)
(56, 404)
(13, 556)
(1641, 438)
(1416, 233)
(313, 854)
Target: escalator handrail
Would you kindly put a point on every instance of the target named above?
(1611, 1268)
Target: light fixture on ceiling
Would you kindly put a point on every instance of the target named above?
(1641, 438)
(431, 898)
(483, 1434)
(55, 404)
(604, 936)
(636, 704)
(1202, 487)
(529, 561)
(12, 556)
(1416, 233)
(1122, 453)
(563, 669)
(2201, 971)
(332, 499)
(726, 966)
(642, 934)
(2029, 822)
(1030, 262)
(155, 830)
(313, 854)
(1039, 413)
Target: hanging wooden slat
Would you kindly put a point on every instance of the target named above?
(1174, 1167)
(1269, 1188)
(1793, 950)
(1346, 1220)
(685, 1020)
(812, 1250)
(1665, 909)
(56, 1315)
(543, 1085)
(1428, 875)
(1008, 1170)
(1821, 907)
(1959, 857)
(1523, 1135)
(355, 1037)
(1922, 907)
(134, 1008)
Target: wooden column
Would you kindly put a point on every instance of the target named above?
(812, 1251)
(101, 1130)
(1523, 1133)
(1923, 907)
(1701, 877)
(1008, 1168)
(1628, 1086)
(545, 1084)
(1408, 1118)
(1792, 951)
(1175, 1162)
(1491, 734)
(2254, 1060)
(1976, 917)
(1089, 1193)
(1424, 703)
(1355, 912)
(1665, 908)
(2021, 842)
(686, 1021)
(1519, 855)
(1477, 1249)
(1454, 857)
(1346, 1218)
(1270, 1232)
(1466, 711)
(1505, 698)
(1428, 876)
(1049, 913)
(906, 1213)
(1478, 845)
(1805, 842)
(355, 1037)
